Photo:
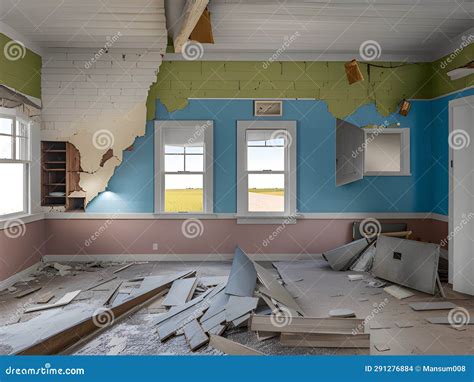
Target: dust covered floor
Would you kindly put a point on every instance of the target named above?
(317, 288)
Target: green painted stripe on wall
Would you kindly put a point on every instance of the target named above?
(20, 68)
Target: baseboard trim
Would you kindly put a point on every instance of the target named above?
(18, 277)
(201, 257)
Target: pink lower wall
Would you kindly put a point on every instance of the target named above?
(88, 236)
(21, 247)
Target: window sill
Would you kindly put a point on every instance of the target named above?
(386, 173)
(283, 220)
(13, 220)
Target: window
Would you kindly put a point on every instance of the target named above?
(266, 168)
(14, 163)
(183, 158)
(370, 152)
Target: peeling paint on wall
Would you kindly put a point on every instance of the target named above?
(97, 107)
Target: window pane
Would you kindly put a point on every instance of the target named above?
(6, 147)
(184, 193)
(174, 149)
(195, 150)
(195, 163)
(266, 158)
(13, 188)
(266, 193)
(6, 125)
(21, 129)
(174, 163)
(22, 152)
(382, 152)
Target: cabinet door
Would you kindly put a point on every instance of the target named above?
(349, 153)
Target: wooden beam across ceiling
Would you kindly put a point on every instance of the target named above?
(192, 12)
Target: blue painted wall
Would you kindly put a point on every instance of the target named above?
(131, 188)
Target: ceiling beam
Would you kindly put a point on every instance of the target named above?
(192, 12)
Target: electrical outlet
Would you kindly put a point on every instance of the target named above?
(155, 246)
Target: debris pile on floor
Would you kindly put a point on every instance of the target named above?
(391, 257)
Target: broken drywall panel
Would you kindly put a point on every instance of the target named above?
(341, 312)
(195, 336)
(99, 110)
(181, 292)
(238, 306)
(341, 257)
(243, 276)
(326, 340)
(66, 299)
(230, 347)
(398, 292)
(435, 305)
(306, 324)
(410, 263)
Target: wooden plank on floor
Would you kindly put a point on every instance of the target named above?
(59, 330)
(113, 295)
(27, 292)
(435, 305)
(195, 336)
(326, 340)
(275, 289)
(243, 277)
(66, 299)
(181, 292)
(306, 324)
(230, 347)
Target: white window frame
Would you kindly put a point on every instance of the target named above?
(404, 151)
(201, 127)
(15, 115)
(289, 171)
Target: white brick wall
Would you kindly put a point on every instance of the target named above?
(75, 87)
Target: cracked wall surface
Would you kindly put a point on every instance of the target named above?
(97, 104)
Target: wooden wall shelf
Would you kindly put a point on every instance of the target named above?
(60, 174)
